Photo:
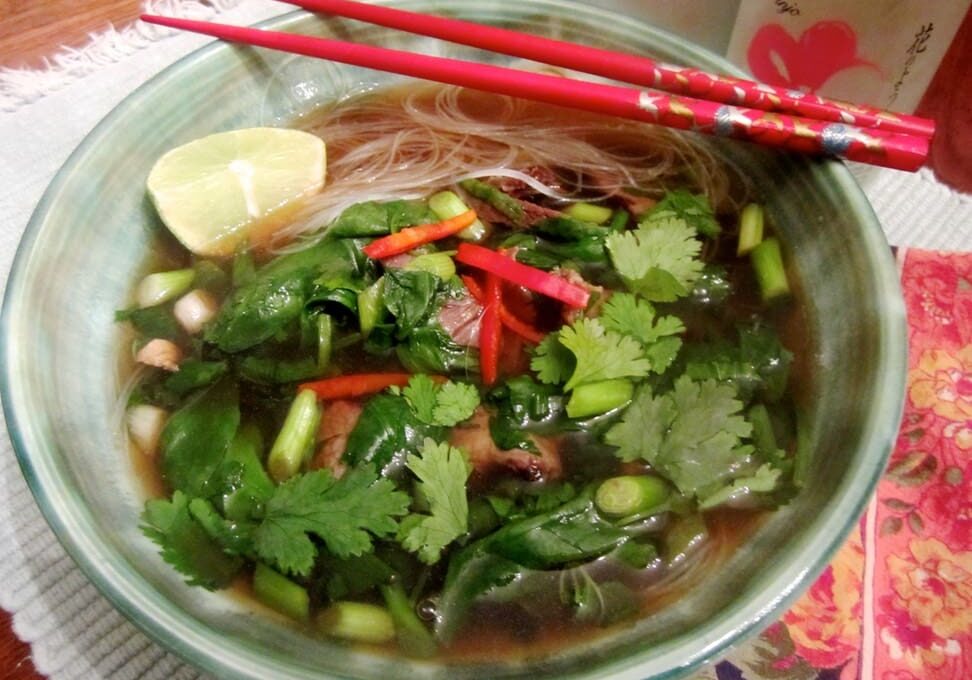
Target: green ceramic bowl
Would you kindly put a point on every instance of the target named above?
(88, 238)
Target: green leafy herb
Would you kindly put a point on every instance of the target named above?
(660, 261)
(371, 218)
(273, 300)
(598, 355)
(421, 394)
(186, 545)
(410, 297)
(693, 209)
(522, 405)
(756, 364)
(626, 314)
(346, 514)
(764, 480)
(387, 430)
(692, 434)
(444, 405)
(196, 437)
(442, 472)
(455, 402)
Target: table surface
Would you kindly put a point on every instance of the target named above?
(31, 30)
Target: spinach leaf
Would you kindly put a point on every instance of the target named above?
(193, 374)
(410, 297)
(270, 371)
(522, 405)
(371, 218)
(257, 312)
(195, 439)
(430, 350)
(274, 299)
(336, 257)
(337, 297)
(386, 431)
(244, 485)
(571, 533)
(153, 322)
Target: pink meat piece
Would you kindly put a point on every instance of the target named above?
(338, 419)
(459, 318)
(486, 458)
(520, 189)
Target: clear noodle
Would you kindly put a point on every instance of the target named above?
(384, 147)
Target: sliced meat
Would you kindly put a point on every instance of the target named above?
(338, 419)
(486, 458)
(460, 319)
(520, 189)
(633, 203)
(533, 213)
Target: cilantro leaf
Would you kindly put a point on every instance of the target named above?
(660, 261)
(764, 480)
(601, 354)
(186, 545)
(346, 514)
(420, 393)
(552, 361)
(693, 209)
(626, 314)
(442, 471)
(454, 403)
(692, 434)
(444, 405)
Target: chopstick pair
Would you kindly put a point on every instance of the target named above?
(883, 143)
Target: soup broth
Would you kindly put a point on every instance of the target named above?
(484, 467)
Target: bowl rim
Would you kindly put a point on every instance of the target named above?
(172, 629)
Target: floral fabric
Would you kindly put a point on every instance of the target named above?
(896, 601)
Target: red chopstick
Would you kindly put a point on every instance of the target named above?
(875, 147)
(626, 68)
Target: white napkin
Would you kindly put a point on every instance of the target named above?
(73, 631)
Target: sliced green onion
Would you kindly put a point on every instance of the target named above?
(370, 306)
(440, 264)
(325, 340)
(446, 204)
(589, 212)
(767, 260)
(599, 397)
(619, 220)
(750, 228)
(280, 593)
(764, 439)
(414, 639)
(630, 495)
(296, 438)
(357, 622)
(161, 287)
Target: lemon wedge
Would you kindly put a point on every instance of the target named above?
(229, 188)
